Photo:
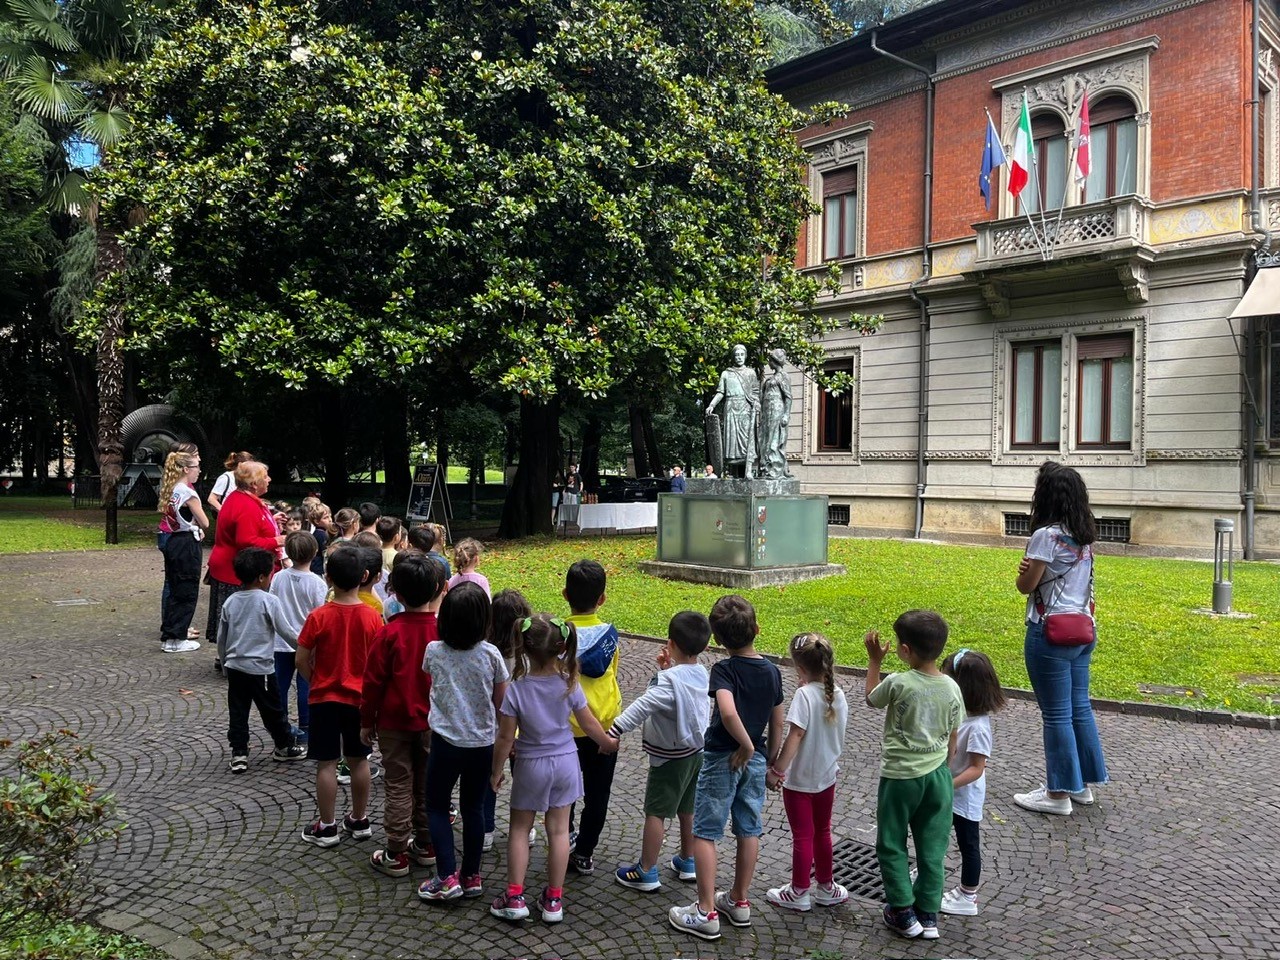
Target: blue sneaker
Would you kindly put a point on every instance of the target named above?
(903, 922)
(638, 878)
(684, 868)
(928, 925)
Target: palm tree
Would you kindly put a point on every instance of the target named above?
(61, 60)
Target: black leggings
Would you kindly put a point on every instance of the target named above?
(967, 840)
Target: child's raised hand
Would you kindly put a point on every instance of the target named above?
(663, 659)
(876, 651)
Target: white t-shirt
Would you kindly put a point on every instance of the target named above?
(180, 521)
(462, 683)
(1064, 559)
(814, 767)
(974, 736)
(299, 591)
(224, 485)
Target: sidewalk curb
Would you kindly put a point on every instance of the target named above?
(1131, 708)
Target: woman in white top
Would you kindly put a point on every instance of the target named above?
(186, 523)
(1056, 574)
(227, 482)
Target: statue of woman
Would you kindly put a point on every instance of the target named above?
(775, 417)
(739, 389)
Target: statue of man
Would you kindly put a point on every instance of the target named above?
(739, 390)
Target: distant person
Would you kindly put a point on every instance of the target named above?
(251, 622)
(182, 527)
(164, 527)
(429, 539)
(346, 524)
(466, 554)
(370, 513)
(226, 482)
(388, 531)
(709, 473)
(677, 479)
(923, 712)
(1056, 574)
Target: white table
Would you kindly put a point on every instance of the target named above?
(617, 516)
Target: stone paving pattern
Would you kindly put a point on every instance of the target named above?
(1177, 859)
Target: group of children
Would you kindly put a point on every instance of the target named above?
(461, 692)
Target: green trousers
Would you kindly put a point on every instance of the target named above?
(923, 806)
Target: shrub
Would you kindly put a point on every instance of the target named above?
(49, 813)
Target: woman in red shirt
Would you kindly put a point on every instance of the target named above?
(245, 520)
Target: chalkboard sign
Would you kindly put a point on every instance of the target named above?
(427, 495)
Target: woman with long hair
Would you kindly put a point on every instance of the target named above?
(1056, 575)
(182, 526)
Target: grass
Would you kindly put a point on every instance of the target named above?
(37, 524)
(43, 939)
(1149, 632)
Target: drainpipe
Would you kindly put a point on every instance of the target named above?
(1258, 222)
(922, 401)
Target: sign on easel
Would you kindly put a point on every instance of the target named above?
(428, 488)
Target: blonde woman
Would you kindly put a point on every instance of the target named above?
(182, 526)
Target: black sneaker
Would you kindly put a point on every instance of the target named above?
(581, 864)
(928, 925)
(294, 751)
(321, 836)
(902, 921)
(357, 829)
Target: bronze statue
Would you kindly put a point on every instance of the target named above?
(775, 418)
(739, 390)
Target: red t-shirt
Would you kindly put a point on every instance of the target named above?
(339, 635)
(397, 691)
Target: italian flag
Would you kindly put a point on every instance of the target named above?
(1020, 158)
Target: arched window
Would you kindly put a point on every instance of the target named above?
(1113, 149)
(1045, 188)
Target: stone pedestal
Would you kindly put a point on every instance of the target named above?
(742, 534)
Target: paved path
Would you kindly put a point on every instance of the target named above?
(1177, 859)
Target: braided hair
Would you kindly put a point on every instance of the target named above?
(813, 653)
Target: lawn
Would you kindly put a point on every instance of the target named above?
(1149, 631)
(36, 524)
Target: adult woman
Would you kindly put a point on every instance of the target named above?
(225, 483)
(1056, 574)
(775, 417)
(165, 528)
(185, 522)
(244, 521)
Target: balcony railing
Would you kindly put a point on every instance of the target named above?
(1114, 226)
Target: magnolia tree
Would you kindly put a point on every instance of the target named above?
(560, 201)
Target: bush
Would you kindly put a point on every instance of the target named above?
(48, 814)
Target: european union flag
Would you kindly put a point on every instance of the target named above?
(992, 157)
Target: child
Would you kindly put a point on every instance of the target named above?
(346, 524)
(509, 607)
(429, 537)
(923, 710)
(747, 692)
(980, 687)
(318, 520)
(542, 697)
(466, 554)
(394, 707)
(388, 531)
(369, 516)
(806, 769)
(299, 591)
(372, 557)
(675, 711)
(468, 683)
(598, 664)
(332, 651)
(251, 620)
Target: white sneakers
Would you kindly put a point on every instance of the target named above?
(1039, 801)
(787, 898)
(955, 903)
(180, 646)
(1083, 797)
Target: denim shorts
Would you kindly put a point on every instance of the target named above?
(723, 792)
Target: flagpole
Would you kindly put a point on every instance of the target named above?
(1071, 162)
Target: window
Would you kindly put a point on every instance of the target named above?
(1113, 150)
(1049, 163)
(1037, 395)
(840, 213)
(1104, 391)
(835, 415)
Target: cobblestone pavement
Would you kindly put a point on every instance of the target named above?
(1177, 859)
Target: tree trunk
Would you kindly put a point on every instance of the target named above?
(590, 465)
(333, 448)
(651, 443)
(395, 449)
(527, 510)
(110, 259)
(639, 452)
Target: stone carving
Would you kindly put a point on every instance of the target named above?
(739, 392)
(775, 418)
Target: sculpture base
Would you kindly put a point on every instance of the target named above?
(738, 487)
(739, 579)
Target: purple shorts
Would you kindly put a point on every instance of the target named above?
(544, 783)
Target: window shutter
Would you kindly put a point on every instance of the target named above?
(1110, 109)
(1102, 348)
(840, 181)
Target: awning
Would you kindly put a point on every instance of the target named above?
(1262, 299)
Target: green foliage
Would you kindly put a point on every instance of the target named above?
(41, 938)
(1148, 628)
(49, 812)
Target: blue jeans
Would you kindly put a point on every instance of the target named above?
(723, 792)
(286, 664)
(1060, 679)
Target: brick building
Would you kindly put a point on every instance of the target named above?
(1111, 345)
